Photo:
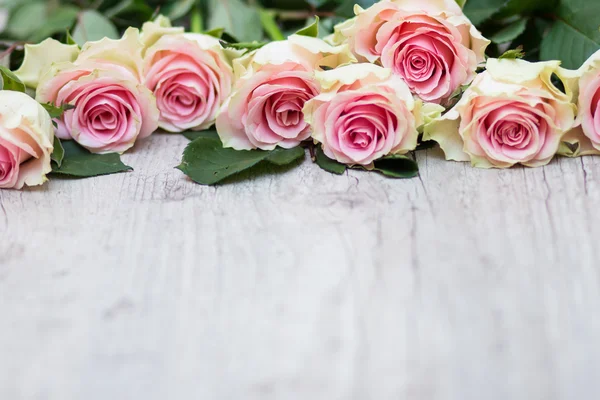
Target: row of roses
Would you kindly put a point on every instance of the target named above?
(364, 93)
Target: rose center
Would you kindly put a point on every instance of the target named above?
(183, 102)
(288, 118)
(511, 133)
(360, 139)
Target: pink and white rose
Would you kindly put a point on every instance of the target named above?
(430, 44)
(273, 85)
(584, 139)
(26, 141)
(191, 78)
(112, 106)
(364, 114)
(512, 114)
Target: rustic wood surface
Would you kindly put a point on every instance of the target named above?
(463, 284)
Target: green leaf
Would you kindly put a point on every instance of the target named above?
(575, 35)
(461, 3)
(9, 81)
(236, 17)
(139, 7)
(209, 133)
(282, 157)
(399, 167)
(69, 39)
(93, 26)
(328, 164)
(59, 20)
(58, 153)
(27, 19)
(527, 7)
(513, 54)
(216, 33)
(57, 112)
(311, 30)
(79, 162)
(177, 9)
(510, 32)
(250, 46)
(479, 11)
(206, 162)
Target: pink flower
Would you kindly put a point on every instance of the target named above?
(26, 141)
(190, 77)
(511, 114)
(364, 114)
(112, 106)
(430, 44)
(584, 139)
(273, 85)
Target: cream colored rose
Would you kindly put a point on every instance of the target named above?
(364, 114)
(511, 114)
(26, 141)
(112, 106)
(273, 84)
(191, 78)
(584, 139)
(430, 44)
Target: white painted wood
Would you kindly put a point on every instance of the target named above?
(461, 285)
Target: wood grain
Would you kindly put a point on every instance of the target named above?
(461, 285)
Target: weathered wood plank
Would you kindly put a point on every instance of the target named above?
(463, 284)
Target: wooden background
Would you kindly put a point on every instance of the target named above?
(462, 285)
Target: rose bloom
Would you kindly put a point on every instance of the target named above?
(511, 114)
(112, 106)
(364, 114)
(430, 44)
(26, 141)
(584, 139)
(273, 85)
(190, 77)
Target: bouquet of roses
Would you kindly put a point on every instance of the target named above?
(399, 74)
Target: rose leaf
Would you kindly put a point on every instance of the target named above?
(282, 157)
(79, 162)
(328, 164)
(58, 153)
(397, 166)
(9, 81)
(311, 30)
(206, 162)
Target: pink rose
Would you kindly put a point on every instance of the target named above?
(190, 77)
(112, 106)
(273, 85)
(511, 114)
(364, 114)
(26, 141)
(584, 139)
(430, 44)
